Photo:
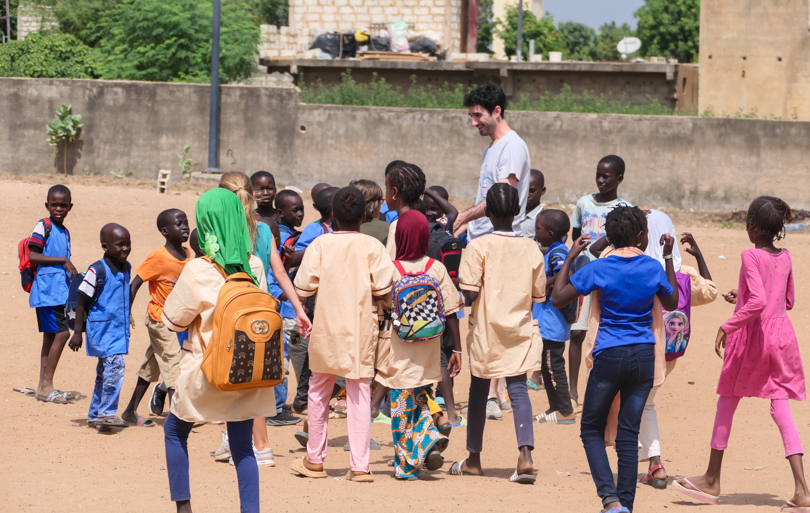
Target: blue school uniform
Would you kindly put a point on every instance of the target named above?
(390, 215)
(286, 311)
(52, 282)
(108, 318)
(552, 323)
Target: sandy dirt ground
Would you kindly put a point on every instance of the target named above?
(52, 462)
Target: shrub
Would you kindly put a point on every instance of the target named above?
(48, 56)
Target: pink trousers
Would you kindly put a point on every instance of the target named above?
(358, 398)
(780, 411)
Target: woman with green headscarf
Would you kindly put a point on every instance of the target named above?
(225, 238)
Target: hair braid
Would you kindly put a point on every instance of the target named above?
(503, 200)
(409, 180)
(768, 216)
(623, 223)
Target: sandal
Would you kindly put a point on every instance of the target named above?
(359, 478)
(462, 422)
(55, 397)
(694, 492)
(142, 422)
(455, 469)
(101, 429)
(551, 418)
(658, 484)
(299, 468)
(70, 396)
(522, 478)
(434, 460)
(789, 506)
(111, 422)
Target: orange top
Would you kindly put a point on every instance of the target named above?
(160, 270)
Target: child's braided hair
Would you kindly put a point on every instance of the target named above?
(409, 180)
(768, 216)
(348, 206)
(623, 223)
(503, 200)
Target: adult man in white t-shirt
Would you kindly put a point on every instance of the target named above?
(506, 159)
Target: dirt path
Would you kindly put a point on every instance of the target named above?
(52, 462)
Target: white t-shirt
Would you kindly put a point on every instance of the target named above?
(589, 216)
(508, 156)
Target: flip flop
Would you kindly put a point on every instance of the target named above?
(111, 422)
(658, 484)
(462, 422)
(445, 429)
(455, 469)
(382, 419)
(522, 478)
(694, 492)
(359, 478)
(299, 468)
(551, 418)
(54, 397)
(532, 385)
(789, 506)
(302, 438)
(142, 422)
(25, 390)
(101, 429)
(67, 395)
(434, 460)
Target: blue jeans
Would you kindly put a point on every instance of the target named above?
(280, 390)
(109, 380)
(629, 372)
(240, 437)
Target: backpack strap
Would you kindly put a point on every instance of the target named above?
(399, 267)
(402, 271)
(101, 277)
(429, 264)
(325, 228)
(216, 266)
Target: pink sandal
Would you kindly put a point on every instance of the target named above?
(695, 493)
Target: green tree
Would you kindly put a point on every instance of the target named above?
(273, 12)
(486, 26)
(171, 41)
(609, 36)
(80, 17)
(13, 4)
(48, 56)
(580, 41)
(670, 28)
(545, 34)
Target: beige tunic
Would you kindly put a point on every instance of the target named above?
(346, 269)
(195, 399)
(509, 274)
(402, 365)
(391, 243)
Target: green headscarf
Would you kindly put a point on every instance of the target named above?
(223, 231)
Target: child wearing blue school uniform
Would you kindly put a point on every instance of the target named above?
(104, 295)
(49, 251)
(551, 226)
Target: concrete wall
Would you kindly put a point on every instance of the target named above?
(686, 162)
(141, 126)
(755, 55)
(34, 18)
(634, 81)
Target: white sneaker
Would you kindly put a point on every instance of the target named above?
(224, 451)
(494, 409)
(263, 458)
(505, 405)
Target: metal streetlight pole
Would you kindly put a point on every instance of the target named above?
(213, 116)
(8, 22)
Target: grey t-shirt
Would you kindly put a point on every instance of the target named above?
(508, 156)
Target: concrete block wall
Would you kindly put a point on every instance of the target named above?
(284, 41)
(34, 18)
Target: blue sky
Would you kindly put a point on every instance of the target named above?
(593, 12)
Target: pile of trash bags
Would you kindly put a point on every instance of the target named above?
(397, 37)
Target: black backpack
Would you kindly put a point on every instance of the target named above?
(445, 248)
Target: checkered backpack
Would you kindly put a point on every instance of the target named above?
(418, 312)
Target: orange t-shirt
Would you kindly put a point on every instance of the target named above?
(160, 270)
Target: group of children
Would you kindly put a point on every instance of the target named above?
(385, 324)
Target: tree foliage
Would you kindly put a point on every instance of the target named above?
(486, 26)
(545, 34)
(13, 4)
(164, 41)
(580, 41)
(273, 12)
(48, 56)
(670, 28)
(609, 36)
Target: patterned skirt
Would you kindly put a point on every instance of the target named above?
(413, 430)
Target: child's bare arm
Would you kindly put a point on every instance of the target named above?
(76, 340)
(599, 246)
(694, 250)
(449, 210)
(454, 365)
(37, 258)
(470, 295)
(133, 289)
(669, 303)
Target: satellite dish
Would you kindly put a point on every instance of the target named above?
(629, 45)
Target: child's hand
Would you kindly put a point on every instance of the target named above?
(75, 341)
(668, 242)
(731, 297)
(71, 269)
(304, 326)
(454, 365)
(693, 249)
(579, 246)
(287, 252)
(720, 343)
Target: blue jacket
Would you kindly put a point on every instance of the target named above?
(108, 318)
(52, 282)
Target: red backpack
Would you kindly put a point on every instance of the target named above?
(28, 271)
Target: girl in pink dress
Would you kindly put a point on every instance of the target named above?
(761, 352)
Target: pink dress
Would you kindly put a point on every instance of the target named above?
(762, 353)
